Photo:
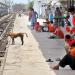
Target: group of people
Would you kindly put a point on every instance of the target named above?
(56, 30)
(69, 58)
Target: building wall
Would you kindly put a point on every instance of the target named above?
(3, 1)
(18, 7)
(40, 6)
(3, 8)
(67, 2)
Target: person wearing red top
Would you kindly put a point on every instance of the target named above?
(37, 26)
(68, 29)
(74, 20)
(58, 32)
(72, 30)
(69, 40)
(51, 27)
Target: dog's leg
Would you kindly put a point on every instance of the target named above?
(13, 41)
(26, 35)
(22, 40)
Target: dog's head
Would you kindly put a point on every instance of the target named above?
(8, 34)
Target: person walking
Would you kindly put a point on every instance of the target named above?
(58, 14)
(33, 17)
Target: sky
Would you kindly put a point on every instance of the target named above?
(21, 1)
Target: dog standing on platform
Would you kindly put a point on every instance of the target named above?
(14, 35)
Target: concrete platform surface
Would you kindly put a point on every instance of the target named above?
(25, 59)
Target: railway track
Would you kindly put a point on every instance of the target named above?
(6, 25)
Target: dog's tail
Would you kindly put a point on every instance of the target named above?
(26, 34)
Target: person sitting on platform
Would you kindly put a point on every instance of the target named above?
(49, 25)
(68, 41)
(58, 34)
(68, 59)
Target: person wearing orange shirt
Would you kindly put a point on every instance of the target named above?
(51, 27)
(58, 34)
(68, 59)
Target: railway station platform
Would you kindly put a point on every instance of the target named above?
(25, 59)
(30, 58)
